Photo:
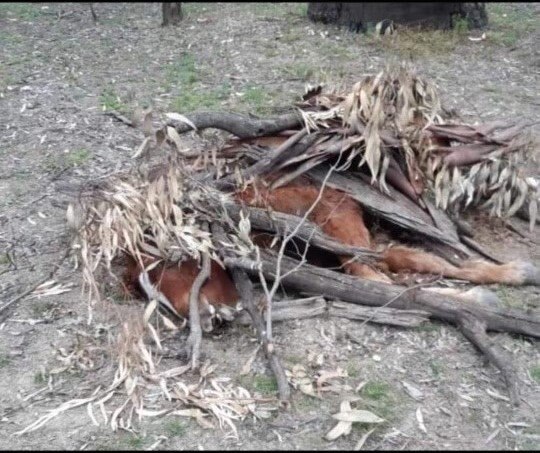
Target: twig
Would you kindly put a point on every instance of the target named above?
(479, 249)
(313, 280)
(277, 281)
(94, 15)
(475, 331)
(269, 161)
(119, 117)
(195, 335)
(245, 290)
(31, 289)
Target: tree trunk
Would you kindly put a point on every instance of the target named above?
(361, 15)
(172, 13)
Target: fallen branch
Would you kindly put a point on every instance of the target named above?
(240, 125)
(316, 306)
(245, 290)
(119, 117)
(195, 332)
(269, 160)
(281, 223)
(314, 280)
(475, 331)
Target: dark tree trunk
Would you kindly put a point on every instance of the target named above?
(172, 13)
(474, 13)
(359, 16)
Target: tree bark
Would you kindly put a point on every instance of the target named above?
(361, 15)
(172, 13)
(242, 126)
(314, 280)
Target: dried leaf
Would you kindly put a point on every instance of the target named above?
(420, 420)
(358, 416)
(363, 439)
(412, 391)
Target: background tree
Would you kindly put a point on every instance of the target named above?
(172, 13)
(359, 16)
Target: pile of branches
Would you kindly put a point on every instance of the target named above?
(388, 143)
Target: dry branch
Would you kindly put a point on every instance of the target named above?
(245, 290)
(281, 223)
(316, 306)
(314, 280)
(195, 333)
(240, 125)
(475, 331)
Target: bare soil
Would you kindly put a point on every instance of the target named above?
(57, 71)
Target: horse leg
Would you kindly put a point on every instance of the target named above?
(400, 258)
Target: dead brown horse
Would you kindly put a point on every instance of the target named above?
(340, 217)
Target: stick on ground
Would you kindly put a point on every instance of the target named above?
(195, 335)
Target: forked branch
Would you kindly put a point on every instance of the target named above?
(195, 334)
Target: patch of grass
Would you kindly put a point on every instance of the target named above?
(194, 9)
(535, 373)
(256, 99)
(109, 100)
(24, 11)
(276, 10)
(267, 385)
(508, 22)
(428, 327)
(294, 359)
(133, 442)
(300, 9)
(4, 360)
(352, 369)
(436, 368)
(192, 96)
(302, 71)
(306, 403)
(10, 38)
(375, 390)
(490, 89)
(506, 296)
(460, 25)
(182, 71)
(413, 43)
(122, 443)
(292, 37)
(40, 308)
(197, 98)
(174, 428)
(77, 157)
(380, 399)
(39, 378)
(271, 51)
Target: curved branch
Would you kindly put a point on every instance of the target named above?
(475, 331)
(242, 126)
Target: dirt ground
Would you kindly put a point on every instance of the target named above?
(59, 71)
